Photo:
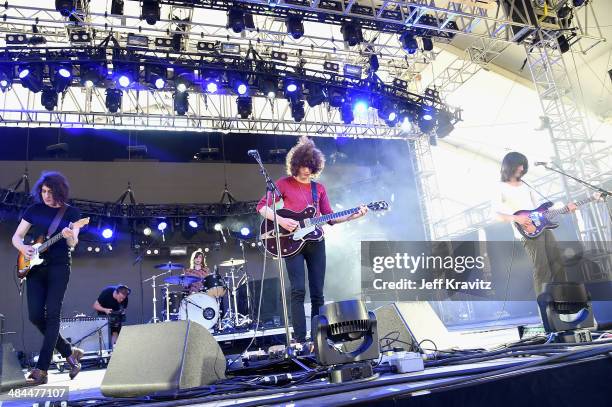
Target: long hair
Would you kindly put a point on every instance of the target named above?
(193, 257)
(510, 163)
(305, 154)
(58, 185)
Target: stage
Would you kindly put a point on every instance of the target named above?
(501, 382)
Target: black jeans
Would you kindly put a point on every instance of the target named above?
(46, 286)
(546, 259)
(313, 253)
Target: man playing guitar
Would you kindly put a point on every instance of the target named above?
(47, 282)
(515, 195)
(304, 162)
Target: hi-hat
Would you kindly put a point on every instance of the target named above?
(232, 263)
(182, 280)
(169, 266)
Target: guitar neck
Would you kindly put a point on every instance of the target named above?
(54, 239)
(565, 209)
(336, 215)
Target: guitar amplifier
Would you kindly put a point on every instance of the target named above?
(88, 333)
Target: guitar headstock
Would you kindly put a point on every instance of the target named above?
(378, 206)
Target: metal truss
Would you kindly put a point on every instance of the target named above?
(208, 113)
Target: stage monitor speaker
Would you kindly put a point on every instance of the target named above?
(11, 375)
(166, 356)
(406, 324)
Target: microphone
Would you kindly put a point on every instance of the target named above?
(253, 153)
(540, 163)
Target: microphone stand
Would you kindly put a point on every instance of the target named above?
(604, 194)
(271, 188)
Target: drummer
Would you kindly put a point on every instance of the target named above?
(197, 268)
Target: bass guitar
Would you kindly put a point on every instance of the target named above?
(542, 217)
(24, 266)
(309, 228)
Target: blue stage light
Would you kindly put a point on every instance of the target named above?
(211, 87)
(160, 83)
(107, 233)
(242, 89)
(124, 81)
(161, 226)
(245, 231)
(64, 72)
(24, 73)
(360, 107)
(193, 223)
(292, 87)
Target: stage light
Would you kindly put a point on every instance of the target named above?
(6, 76)
(206, 46)
(113, 99)
(91, 74)
(292, 88)
(297, 109)
(427, 44)
(336, 97)
(578, 3)
(245, 106)
(64, 72)
(242, 89)
(445, 124)
(245, 231)
(239, 83)
(210, 80)
(398, 83)
(161, 226)
(230, 48)
(316, 94)
(406, 125)
(218, 227)
(181, 103)
(360, 107)
(346, 113)
(117, 7)
(295, 27)
(268, 86)
(331, 66)
(563, 43)
(353, 71)
(151, 11)
(138, 41)
(374, 64)
(89, 248)
(182, 79)
(147, 231)
(107, 233)
(351, 33)
(65, 7)
(61, 77)
(193, 223)
(387, 111)
(97, 249)
(31, 78)
(279, 56)
(235, 19)
(426, 122)
(211, 87)
(48, 98)
(409, 42)
(124, 81)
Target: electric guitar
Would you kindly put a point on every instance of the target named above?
(542, 217)
(40, 246)
(309, 228)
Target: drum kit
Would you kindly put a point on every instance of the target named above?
(214, 306)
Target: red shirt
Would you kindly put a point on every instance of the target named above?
(297, 196)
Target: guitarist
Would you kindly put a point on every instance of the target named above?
(46, 283)
(304, 163)
(515, 195)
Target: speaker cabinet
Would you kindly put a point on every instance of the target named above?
(11, 375)
(165, 356)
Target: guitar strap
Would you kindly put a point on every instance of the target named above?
(536, 191)
(56, 221)
(315, 196)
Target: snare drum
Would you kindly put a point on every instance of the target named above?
(200, 308)
(214, 285)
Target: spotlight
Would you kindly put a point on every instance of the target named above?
(5, 80)
(295, 27)
(113, 99)
(211, 87)
(107, 233)
(406, 125)
(336, 97)
(361, 107)
(239, 83)
(61, 77)
(161, 226)
(117, 7)
(65, 7)
(346, 113)
(48, 98)
(193, 223)
(156, 76)
(268, 87)
(218, 227)
(331, 66)
(351, 33)
(292, 88)
(97, 249)
(297, 109)
(151, 11)
(245, 106)
(91, 74)
(387, 112)
(316, 94)
(30, 76)
(409, 42)
(181, 103)
(445, 125)
(245, 231)
(147, 231)
(564, 44)
(210, 80)
(427, 44)
(374, 64)
(235, 20)
(182, 79)
(426, 122)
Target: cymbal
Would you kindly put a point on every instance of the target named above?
(182, 280)
(232, 263)
(169, 266)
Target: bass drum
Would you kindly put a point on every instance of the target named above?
(200, 308)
